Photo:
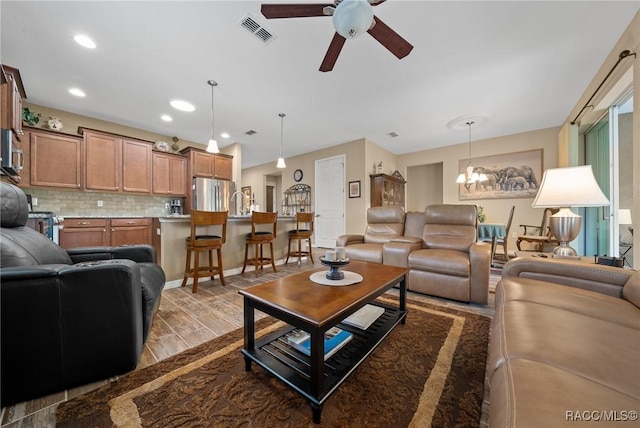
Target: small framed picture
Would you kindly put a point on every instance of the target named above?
(354, 189)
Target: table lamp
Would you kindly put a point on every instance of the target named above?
(565, 188)
(624, 216)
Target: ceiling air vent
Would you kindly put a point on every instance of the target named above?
(250, 132)
(251, 24)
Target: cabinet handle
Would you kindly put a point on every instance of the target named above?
(113, 230)
(104, 230)
(131, 222)
(83, 223)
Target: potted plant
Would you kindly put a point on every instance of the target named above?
(29, 117)
(482, 216)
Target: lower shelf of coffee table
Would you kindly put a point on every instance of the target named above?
(275, 355)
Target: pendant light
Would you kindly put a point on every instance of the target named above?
(281, 163)
(213, 144)
(470, 177)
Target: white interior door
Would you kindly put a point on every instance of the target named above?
(329, 222)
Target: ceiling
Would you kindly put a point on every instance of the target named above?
(519, 66)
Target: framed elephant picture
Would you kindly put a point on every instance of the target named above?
(511, 175)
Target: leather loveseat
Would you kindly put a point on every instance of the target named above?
(565, 345)
(438, 246)
(68, 318)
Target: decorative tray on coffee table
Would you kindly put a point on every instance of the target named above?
(334, 265)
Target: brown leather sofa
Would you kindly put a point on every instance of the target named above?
(438, 246)
(565, 345)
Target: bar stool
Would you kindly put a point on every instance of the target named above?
(201, 243)
(259, 238)
(299, 234)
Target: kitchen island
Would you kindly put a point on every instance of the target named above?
(170, 233)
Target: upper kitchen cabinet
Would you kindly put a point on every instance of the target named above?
(169, 174)
(12, 94)
(116, 164)
(55, 159)
(203, 164)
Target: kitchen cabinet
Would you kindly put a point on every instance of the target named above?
(54, 160)
(209, 165)
(92, 232)
(84, 232)
(223, 165)
(130, 231)
(11, 111)
(387, 189)
(169, 174)
(115, 164)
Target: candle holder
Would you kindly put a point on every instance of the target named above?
(334, 267)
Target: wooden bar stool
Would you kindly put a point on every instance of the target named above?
(201, 243)
(259, 238)
(300, 234)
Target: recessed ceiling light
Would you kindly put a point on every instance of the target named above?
(77, 92)
(85, 41)
(224, 135)
(182, 105)
(166, 118)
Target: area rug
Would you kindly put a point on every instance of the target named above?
(428, 372)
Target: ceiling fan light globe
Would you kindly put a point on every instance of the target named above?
(352, 18)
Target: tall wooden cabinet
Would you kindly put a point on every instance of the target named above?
(387, 189)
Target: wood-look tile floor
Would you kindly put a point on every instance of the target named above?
(187, 319)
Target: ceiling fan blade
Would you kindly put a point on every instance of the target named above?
(390, 39)
(331, 56)
(376, 2)
(271, 11)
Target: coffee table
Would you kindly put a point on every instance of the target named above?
(316, 308)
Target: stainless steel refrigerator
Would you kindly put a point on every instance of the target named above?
(210, 194)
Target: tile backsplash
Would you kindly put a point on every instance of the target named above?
(67, 203)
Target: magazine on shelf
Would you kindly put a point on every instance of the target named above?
(364, 317)
(334, 339)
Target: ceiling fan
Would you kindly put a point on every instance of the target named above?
(350, 19)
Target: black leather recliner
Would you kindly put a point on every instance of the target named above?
(68, 318)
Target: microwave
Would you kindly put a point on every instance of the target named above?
(11, 154)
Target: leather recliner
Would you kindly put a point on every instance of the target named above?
(383, 224)
(68, 318)
(451, 264)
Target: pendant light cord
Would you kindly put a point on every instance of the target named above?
(282, 116)
(470, 123)
(213, 83)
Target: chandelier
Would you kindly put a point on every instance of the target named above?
(470, 177)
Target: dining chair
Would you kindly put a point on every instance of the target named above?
(502, 240)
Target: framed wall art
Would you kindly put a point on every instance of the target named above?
(354, 189)
(511, 175)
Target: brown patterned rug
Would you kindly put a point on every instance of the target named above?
(428, 372)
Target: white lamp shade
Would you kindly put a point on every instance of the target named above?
(281, 163)
(212, 147)
(569, 187)
(624, 216)
(352, 18)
